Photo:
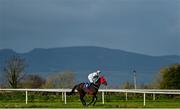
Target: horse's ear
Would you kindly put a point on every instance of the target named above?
(102, 79)
(101, 76)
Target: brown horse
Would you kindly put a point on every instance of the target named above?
(91, 90)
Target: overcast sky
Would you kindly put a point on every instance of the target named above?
(144, 26)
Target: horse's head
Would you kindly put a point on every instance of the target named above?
(103, 80)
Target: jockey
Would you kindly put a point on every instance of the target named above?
(94, 76)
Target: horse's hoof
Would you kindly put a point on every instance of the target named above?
(88, 105)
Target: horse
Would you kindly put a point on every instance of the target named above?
(91, 90)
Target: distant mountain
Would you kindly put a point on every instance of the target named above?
(116, 64)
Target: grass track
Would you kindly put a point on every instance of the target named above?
(117, 104)
(112, 100)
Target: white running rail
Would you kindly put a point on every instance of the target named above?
(126, 91)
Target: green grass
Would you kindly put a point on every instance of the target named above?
(112, 100)
(120, 104)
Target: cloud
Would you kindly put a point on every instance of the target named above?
(143, 26)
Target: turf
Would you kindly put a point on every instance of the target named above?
(112, 100)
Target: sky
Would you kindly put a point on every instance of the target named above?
(143, 26)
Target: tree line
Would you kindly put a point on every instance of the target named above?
(15, 77)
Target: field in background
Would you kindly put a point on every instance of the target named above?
(112, 100)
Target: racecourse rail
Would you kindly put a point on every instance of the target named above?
(126, 91)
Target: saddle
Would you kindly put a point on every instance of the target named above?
(86, 85)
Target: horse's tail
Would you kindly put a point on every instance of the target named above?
(73, 90)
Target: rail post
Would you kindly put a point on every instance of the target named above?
(62, 96)
(65, 98)
(26, 96)
(144, 99)
(126, 96)
(102, 97)
(154, 97)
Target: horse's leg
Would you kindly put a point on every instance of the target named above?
(95, 100)
(82, 98)
(91, 101)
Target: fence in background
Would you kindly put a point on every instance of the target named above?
(126, 91)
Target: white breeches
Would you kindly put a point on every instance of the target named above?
(91, 79)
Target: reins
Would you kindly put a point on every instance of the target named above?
(96, 87)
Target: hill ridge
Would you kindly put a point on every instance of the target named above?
(82, 59)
